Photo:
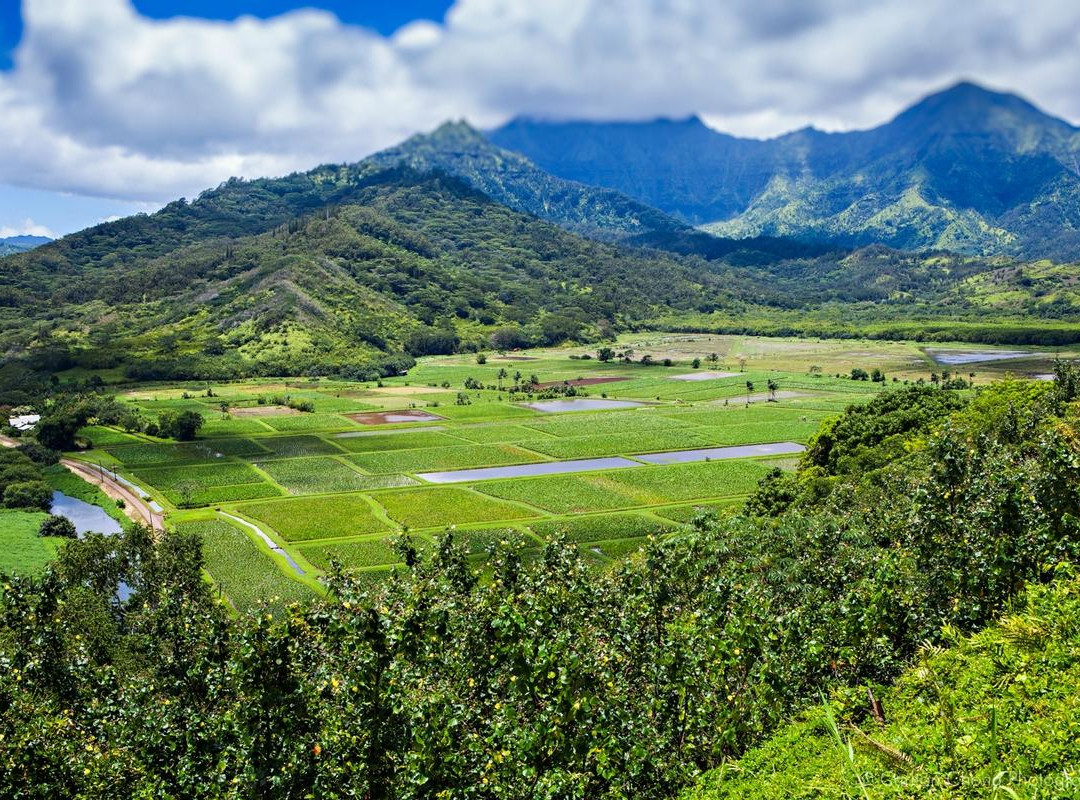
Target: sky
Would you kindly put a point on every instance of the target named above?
(111, 107)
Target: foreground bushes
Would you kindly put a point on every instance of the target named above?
(547, 680)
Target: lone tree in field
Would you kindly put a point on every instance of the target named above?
(605, 354)
(749, 390)
(772, 390)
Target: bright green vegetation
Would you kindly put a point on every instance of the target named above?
(614, 668)
(370, 551)
(298, 446)
(564, 494)
(141, 455)
(297, 519)
(616, 443)
(242, 570)
(444, 458)
(101, 436)
(444, 506)
(201, 484)
(325, 475)
(22, 551)
(598, 527)
(991, 715)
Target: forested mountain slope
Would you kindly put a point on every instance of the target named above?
(966, 169)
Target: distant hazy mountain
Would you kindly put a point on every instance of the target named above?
(20, 244)
(965, 169)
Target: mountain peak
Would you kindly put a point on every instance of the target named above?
(966, 105)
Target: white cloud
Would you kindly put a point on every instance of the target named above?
(105, 102)
(27, 228)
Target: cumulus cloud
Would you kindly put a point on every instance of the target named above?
(105, 102)
(27, 228)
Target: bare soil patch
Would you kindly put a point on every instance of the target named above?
(391, 417)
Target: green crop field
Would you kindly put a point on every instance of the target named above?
(300, 518)
(247, 576)
(333, 488)
(444, 506)
(200, 484)
(429, 459)
(287, 446)
(371, 551)
(598, 527)
(564, 494)
(325, 475)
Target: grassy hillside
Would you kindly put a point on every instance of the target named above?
(991, 715)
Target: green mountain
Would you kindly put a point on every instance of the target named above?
(512, 180)
(323, 271)
(966, 169)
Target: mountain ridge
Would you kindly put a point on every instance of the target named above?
(969, 169)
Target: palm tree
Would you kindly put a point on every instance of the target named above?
(749, 389)
(772, 390)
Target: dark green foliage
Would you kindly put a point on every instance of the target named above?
(22, 484)
(28, 495)
(55, 525)
(180, 425)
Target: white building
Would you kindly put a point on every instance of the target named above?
(25, 422)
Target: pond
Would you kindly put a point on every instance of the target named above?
(84, 516)
(720, 453)
(579, 404)
(954, 358)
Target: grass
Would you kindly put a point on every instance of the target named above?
(103, 437)
(247, 575)
(444, 458)
(22, 551)
(200, 452)
(325, 475)
(215, 425)
(598, 527)
(304, 518)
(687, 514)
(992, 716)
(444, 506)
(609, 422)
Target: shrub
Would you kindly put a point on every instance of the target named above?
(55, 525)
(28, 494)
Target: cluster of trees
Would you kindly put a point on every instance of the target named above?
(546, 679)
(22, 484)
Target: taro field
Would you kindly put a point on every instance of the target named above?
(281, 496)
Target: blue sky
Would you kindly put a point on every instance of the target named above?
(385, 16)
(24, 210)
(117, 106)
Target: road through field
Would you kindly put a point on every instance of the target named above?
(134, 506)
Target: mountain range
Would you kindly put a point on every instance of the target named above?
(967, 169)
(450, 240)
(20, 244)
